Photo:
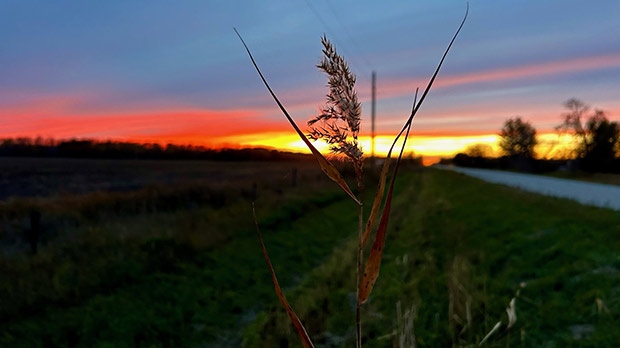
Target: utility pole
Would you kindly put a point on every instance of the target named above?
(372, 118)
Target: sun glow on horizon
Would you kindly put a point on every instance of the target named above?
(424, 145)
(430, 147)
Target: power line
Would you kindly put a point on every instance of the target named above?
(361, 60)
(336, 39)
(350, 37)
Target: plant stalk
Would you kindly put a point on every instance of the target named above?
(360, 255)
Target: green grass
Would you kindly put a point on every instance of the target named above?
(164, 277)
(195, 275)
(457, 243)
(601, 178)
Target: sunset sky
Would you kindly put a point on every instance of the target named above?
(164, 71)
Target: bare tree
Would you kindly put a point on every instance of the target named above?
(572, 123)
(597, 139)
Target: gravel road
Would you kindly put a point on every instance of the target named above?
(600, 195)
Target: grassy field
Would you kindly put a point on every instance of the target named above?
(460, 251)
(43, 177)
(101, 250)
(191, 274)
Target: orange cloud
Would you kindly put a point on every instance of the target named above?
(444, 131)
(53, 119)
(400, 87)
(485, 116)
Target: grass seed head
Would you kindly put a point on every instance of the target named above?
(338, 122)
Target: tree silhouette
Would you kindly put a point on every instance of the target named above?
(479, 150)
(91, 148)
(518, 138)
(572, 124)
(602, 143)
(598, 141)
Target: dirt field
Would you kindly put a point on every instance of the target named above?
(36, 177)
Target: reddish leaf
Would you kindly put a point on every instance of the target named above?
(301, 330)
(373, 263)
(376, 204)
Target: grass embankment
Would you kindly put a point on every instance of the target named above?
(459, 251)
(161, 267)
(600, 178)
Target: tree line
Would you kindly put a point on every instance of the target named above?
(595, 140)
(89, 148)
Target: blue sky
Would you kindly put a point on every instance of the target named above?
(176, 70)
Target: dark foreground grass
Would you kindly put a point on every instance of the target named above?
(171, 295)
(459, 251)
(601, 178)
(166, 278)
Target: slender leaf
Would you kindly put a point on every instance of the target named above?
(494, 330)
(432, 80)
(373, 264)
(326, 166)
(299, 327)
(376, 204)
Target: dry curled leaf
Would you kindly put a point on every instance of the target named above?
(373, 263)
(299, 327)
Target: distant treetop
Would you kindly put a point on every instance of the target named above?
(89, 148)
